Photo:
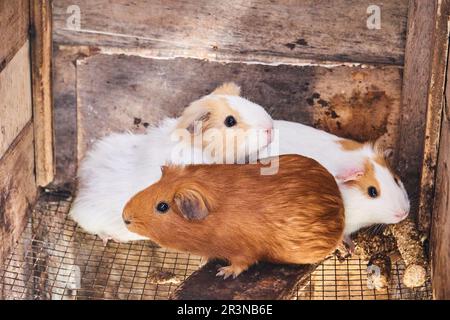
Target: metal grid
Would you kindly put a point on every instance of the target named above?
(54, 259)
(347, 280)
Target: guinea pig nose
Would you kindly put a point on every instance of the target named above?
(401, 215)
(127, 221)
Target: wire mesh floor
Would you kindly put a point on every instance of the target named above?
(56, 260)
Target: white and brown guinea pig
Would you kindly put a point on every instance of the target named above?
(372, 192)
(235, 213)
(121, 164)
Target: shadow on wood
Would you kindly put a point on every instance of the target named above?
(263, 281)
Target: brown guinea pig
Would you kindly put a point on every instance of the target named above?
(235, 213)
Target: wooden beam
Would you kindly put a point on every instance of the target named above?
(14, 23)
(263, 281)
(65, 112)
(440, 232)
(435, 102)
(238, 30)
(426, 47)
(41, 53)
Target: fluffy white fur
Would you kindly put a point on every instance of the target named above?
(360, 210)
(120, 165)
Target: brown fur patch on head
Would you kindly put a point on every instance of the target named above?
(380, 156)
(208, 113)
(366, 180)
(350, 145)
(212, 112)
(228, 88)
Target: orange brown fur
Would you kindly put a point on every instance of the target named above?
(217, 109)
(380, 155)
(350, 145)
(294, 216)
(228, 88)
(212, 111)
(367, 179)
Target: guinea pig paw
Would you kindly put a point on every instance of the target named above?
(229, 271)
(105, 241)
(349, 245)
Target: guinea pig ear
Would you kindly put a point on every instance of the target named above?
(388, 153)
(191, 204)
(228, 88)
(350, 175)
(379, 146)
(194, 123)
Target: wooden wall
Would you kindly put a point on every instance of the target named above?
(307, 61)
(440, 232)
(130, 63)
(441, 217)
(17, 178)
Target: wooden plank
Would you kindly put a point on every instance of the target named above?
(417, 73)
(15, 97)
(115, 92)
(65, 112)
(14, 22)
(17, 189)
(435, 102)
(41, 53)
(65, 106)
(263, 281)
(440, 232)
(260, 30)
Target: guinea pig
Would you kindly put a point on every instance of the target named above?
(372, 192)
(235, 213)
(121, 164)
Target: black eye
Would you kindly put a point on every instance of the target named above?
(372, 192)
(162, 207)
(230, 121)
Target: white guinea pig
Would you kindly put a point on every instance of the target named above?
(372, 192)
(120, 165)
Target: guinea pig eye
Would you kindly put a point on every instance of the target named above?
(162, 207)
(230, 121)
(372, 192)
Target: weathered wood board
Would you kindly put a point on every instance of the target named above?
(435, 102)
(41, 53)
(440, 235)
(15, 97)
(263, 281)
(267, 30)
(117, 93)
(14, 22)
(17, 188)
(414, 92)
(64, 113)
(440, 232)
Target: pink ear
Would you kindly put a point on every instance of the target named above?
(350, 175)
